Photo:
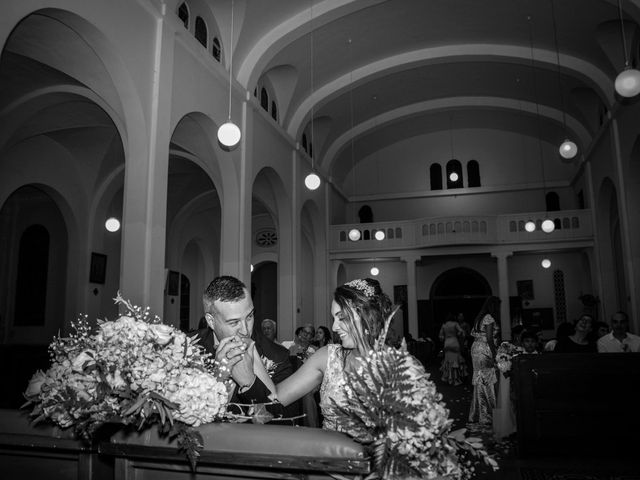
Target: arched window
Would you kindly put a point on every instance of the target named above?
(31, 283)
(435, 176)
(216, 48)
(553, 202)
(183, 14)
(473, 173)
(274, 111)
(366, 214)
(454, 168)
(264, 99)
(201, 31)
(304, 142)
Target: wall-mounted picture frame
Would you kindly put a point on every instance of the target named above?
(173, 283)
(98, 269)
(525, 289)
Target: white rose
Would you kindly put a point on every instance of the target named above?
(161, 333)
(35, 384)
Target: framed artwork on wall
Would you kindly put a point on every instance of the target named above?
(173, 283)
(525, 289)
(98, 269)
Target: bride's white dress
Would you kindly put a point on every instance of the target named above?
(332, 390)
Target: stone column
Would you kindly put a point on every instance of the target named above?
(503, 422)
(412, 296)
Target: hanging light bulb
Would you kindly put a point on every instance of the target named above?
(453, 176)
(354, 234)
(546, 263)
(628, 80)
(312, 181)
(374, 271)
(530, 226)
(379, 235)
(548, 226)
(229, 133)
(568, 149)
(112, 224)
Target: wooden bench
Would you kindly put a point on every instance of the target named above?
(577, 403)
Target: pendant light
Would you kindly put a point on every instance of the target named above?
(375, 271)
(547, 225)
(628, 81)
(229, 133)
(568, 149)
(530, 226)
(112, 224)
(312, 180)
(546, 263)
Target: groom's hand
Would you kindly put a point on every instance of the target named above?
(239, 356)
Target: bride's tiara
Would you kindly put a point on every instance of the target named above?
(362, 286)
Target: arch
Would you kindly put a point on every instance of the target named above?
(31, 279)
(454, 167)
(365, 215)
(473, 173)
(460, 281)
(435, 176)
(183, 14)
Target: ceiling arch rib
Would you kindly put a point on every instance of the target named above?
(432, 106)
(573, 66)
(296, 26)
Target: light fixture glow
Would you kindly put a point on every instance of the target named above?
(312, 181)
(453, 176)
(568, 149)
(379, 235)
(546, 263)
(354, 234)
(548, 226)
(374, 271)
(229, 134)
(112, 224)
(628, 82)
(530, 226)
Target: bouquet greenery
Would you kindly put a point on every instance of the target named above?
(134, 371)
(396, 411)
(504, 355)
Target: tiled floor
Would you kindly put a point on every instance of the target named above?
(512, 467)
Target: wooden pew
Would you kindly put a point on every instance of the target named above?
(231, 451)
(583, 404)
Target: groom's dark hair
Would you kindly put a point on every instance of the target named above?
(224, 289)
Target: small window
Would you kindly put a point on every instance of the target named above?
(553, 202)
(183, 14)
(365, 214)
(512, 226)
(473, 173)
(454, 174)
(216, 49)
(201, 31)
(304, 142)
(398, 232)
(343, 236)
(435, 176)
(274, 111)
(264, 99)
(366, 235)
(311, 150)
(389, 232)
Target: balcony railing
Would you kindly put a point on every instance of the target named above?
(463, 230)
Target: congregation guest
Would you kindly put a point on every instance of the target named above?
(619, 340)
(600, 329)
(562, 332)
(580, 341)
(323, 337)
(269, 330)
(301, 346)
(529, 341)
(516, 335)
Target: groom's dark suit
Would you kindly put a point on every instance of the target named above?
(258, 392)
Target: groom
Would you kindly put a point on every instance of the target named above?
(229, 313)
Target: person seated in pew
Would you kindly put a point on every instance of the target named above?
(529, 341)
(580, 341)
(619, 339)
(563, 331)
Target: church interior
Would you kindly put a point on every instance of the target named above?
(451, 149)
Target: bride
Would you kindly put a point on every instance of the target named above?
(359, 310)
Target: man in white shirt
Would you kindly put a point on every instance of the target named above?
(619, 339)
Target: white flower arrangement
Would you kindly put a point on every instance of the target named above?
(133, 370)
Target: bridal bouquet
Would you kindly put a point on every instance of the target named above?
(504, 354)
(396, 411)
(134, 371)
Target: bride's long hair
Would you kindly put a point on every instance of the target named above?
(365, 307)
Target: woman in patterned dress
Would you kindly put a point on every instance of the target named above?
(359, 310)
(483, 354)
